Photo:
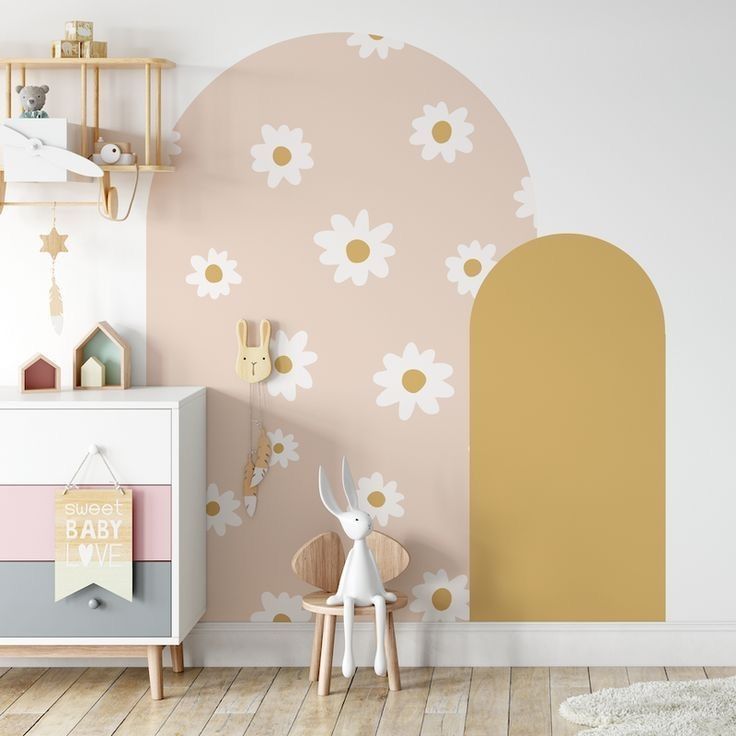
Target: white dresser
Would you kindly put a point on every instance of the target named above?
(154, 439)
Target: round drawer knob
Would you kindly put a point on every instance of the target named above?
(93, 603)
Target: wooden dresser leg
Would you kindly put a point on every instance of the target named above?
(325, 662)
(177, 657)
(319, 622)
(156, 671)
(392, 655)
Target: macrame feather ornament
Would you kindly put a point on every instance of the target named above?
(53, 244)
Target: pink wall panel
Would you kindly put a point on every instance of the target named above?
(27, 522)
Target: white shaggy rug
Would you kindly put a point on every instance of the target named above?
(697, 708)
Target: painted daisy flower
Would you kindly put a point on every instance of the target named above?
(221, 509)
(355, 248)
(283, 448)
(525, 196)
(440, 131)
(379, 499)
(290, 364)
(283, 155)
(413, 379)
(283, 608)
(370, 42)
(470, 266)
(440, 599)
(213, 275)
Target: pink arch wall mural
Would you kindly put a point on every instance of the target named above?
(354, 191)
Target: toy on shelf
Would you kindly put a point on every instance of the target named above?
(92, 373)
(78, 42)
(103, 343)
(32, 100)
(113, 154)
(360, 582)
(39, 374)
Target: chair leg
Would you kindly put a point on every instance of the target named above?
(392, 656)
(177, 657)
(325, 662)
(156, 671)
(316, 647)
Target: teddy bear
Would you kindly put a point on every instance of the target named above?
(32, 100)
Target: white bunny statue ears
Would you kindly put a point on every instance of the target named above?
(360, 582)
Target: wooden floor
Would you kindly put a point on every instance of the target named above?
(270, 701)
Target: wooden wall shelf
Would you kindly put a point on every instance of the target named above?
(150, 161)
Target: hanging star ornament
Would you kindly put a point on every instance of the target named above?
(53, 243)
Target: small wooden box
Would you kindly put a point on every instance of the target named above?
(79, 30)
(94, 49)
(66, 49)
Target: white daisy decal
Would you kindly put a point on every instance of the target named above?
(290, 364)
(213, 275)
(283, 155)
(283, 448)
(413, 379)
(283, 608)
(379, 499)
(221, 508)
(440, 599)
(370, 42)
(440, 131)
(525, 197)
(470, 266)
(355, 248)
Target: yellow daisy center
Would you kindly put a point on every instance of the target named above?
(441, 131)
(281, 155)
(375, 37)
(278, 448)
(413, 380)
(441, 599)
(213, 273)
(283, 364)
(281, 618)
(472, 267)
(213, 508)
(376, 499)
(357, 251)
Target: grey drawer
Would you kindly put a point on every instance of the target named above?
(27, 605)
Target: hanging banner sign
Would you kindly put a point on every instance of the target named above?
(94, 540)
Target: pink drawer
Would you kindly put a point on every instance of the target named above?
(27, 523)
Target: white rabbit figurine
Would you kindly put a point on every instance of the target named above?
(360, 582)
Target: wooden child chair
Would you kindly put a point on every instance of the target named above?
(319, 562)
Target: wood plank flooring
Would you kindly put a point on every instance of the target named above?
(268, 701)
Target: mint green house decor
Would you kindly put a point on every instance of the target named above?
(104, 344)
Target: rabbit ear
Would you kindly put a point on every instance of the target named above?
(348, 485)
(241, 330)
(265, 333)
(325, 493)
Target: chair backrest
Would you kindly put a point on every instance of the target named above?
(391, 557)
(319, 562)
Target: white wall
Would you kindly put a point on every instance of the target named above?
(625, 112)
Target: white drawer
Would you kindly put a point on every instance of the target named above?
(45, 446)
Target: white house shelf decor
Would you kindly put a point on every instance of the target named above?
(110, 351)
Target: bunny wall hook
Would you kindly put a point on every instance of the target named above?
(253, 363)
(360, 582)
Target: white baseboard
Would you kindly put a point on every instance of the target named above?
(475, 644)
(478, 644)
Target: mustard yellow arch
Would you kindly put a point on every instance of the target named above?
(567, 433)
